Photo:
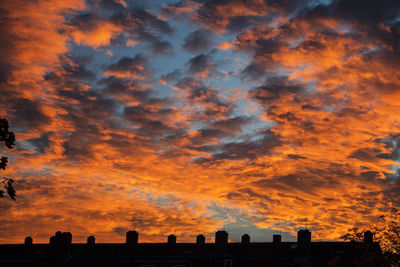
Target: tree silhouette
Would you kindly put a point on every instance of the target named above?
(9, 140)
(386, 231)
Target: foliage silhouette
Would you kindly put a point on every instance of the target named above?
(9, 140)
(386, 231)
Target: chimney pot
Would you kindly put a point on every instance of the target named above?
(28, 240)
(171, 239)
(245, 239)
(132, 238)
(221, 241)
(91, 240)
(368, 237)
(276, 239)
(200, 239)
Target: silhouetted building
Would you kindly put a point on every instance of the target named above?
(61, 252)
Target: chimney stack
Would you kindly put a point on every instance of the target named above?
(221, 242)
(303, 243)
(171, 239)
(28, 241)
(200, 239)
(368, 237)
(303, 237)
(91, 240)
(245, 239)
(132, 238)
(61, 243)
(276, 239)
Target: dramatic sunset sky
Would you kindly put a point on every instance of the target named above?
(186, 117)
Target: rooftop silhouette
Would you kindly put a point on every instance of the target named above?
(62, 252)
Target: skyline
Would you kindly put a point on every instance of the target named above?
(186, 117)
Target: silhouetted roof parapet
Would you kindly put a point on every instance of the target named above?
(171, 239)
(245, 239)
(276, 239)
(221, 241)
(91, 240)
(28, 241)
(200, 239)
(368, 237)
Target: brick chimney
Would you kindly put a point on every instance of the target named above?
(221, 242)
(200, 239)
(245, 239)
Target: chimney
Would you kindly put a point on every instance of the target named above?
(171, 239)
(200, 239)
(61, 243)
(221, 242)
(276, 239)
(28, 241)
(52, 240)
(303, 237)
(368, 237)
(245, 239)
(303, 242)
(132, 238)
(91, 240)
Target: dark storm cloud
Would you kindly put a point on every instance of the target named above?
(198, 41)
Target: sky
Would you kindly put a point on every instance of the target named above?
(188, 117)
